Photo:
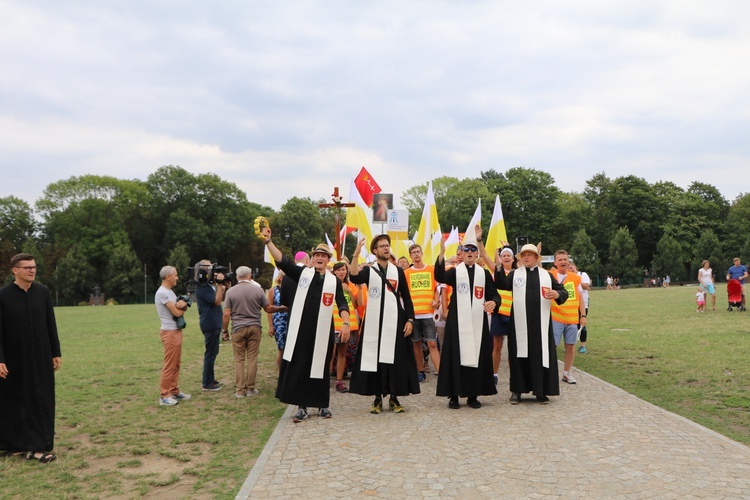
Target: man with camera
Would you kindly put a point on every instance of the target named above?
(210, 289)
(170, 309)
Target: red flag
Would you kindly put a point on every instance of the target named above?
(366, 186)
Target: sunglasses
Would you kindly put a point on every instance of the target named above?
(470, 248)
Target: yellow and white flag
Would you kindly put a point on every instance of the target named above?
(451, 243)
(470, 236)
(496, 234)
(267, 256)
(428, 225)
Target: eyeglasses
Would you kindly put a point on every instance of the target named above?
(384, 245)
(26, 268)
(470, 249)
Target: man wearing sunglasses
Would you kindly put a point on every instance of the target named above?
(466, 358)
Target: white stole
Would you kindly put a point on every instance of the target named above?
(470, 313)
(369, 344)
(519, 313)
(323, 326)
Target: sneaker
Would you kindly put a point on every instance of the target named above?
(377, 406)
(582, 349)
(422, 377)
(515, 398)
(325, 413)
(340, 387)
(543, 399)
(252, 392)
(395, 406)
(473, 402)
(240, 395)
(213, 387)
(568, 378)
(300, 415)
(453, 403)
(182, 396)
(168, 401)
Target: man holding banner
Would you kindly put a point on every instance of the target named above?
(304, 374)
(385, 359)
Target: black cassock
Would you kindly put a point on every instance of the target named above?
(528, 374)
(455, 379)
(28, 342)
(399, 378)
(295, 384)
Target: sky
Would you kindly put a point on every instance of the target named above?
(292, 98)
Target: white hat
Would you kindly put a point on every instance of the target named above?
(470, 237)
(529, 247)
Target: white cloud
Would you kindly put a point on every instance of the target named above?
(291, 99)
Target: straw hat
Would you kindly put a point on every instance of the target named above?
(323, 248)
(529, 247)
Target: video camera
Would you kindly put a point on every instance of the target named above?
(203, 274)
(181, 323)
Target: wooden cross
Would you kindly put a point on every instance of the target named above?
(338, 206)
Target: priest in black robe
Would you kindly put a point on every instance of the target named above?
(397, 377)
(29, 355)
(457, 378)
(296, 385)
(527, 370)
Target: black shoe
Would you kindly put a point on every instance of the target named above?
(453, 403)
(473, 402)
(543, 400)
(515, 398)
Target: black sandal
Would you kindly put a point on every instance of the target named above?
(43, 457)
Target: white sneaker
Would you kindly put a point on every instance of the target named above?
(168, 401)
(252, 392)
(568, 378)
(181, 396)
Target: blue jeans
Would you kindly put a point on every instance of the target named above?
(211, 338)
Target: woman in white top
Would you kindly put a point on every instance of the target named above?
(706, 278)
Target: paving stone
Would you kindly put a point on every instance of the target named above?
(595, 440)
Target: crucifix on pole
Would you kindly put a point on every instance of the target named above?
(337, 205)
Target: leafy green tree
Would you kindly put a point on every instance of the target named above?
(584, 254)
(413, 199)
(94, 213)
(75, 278)
(17, 226)
(457, 206)
(709, 247)
(737, 226)
(635, 206)
(573, 215)
(598, 194)
(123, 277)
(179, 258)
(623, 257)
(669, 259)
(530, 201)
(299, 224)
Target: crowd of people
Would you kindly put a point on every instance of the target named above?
(383, 323)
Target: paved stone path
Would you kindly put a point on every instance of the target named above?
(594, 440)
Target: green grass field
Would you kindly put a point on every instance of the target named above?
(113, 440)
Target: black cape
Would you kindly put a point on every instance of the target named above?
(399, 378)
(454, 379)
(295, 385)
(528, 374)
(28, 342)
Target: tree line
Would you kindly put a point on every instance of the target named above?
(116, 234)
